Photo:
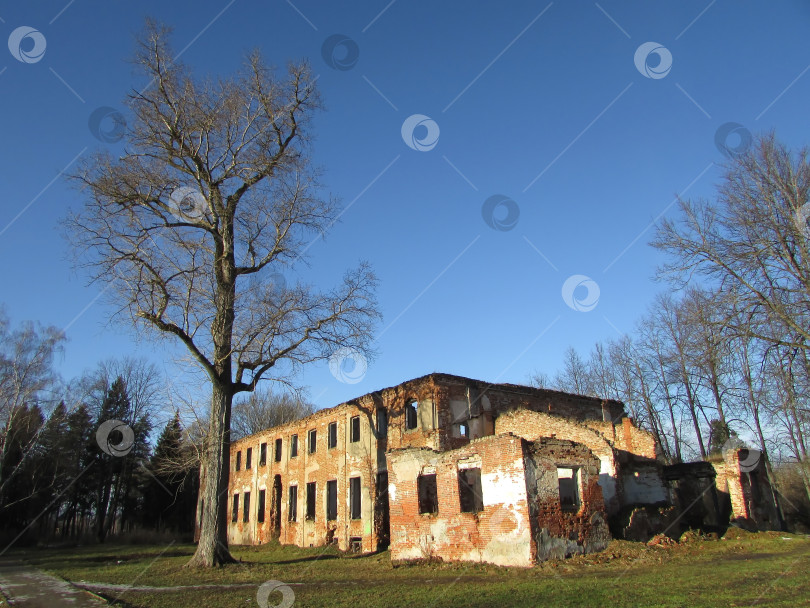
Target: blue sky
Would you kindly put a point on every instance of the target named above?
(539, 103)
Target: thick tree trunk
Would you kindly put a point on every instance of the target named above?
(212, 548)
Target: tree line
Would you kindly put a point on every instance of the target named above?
(88, 458)
(724, 354)
(58, 477)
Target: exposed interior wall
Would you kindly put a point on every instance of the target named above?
(535, 425)
(557, 531)
(642, 485)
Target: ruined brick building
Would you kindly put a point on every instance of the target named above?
(449, 467)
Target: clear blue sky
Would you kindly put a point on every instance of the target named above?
(538, 102)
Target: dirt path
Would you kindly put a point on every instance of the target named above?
(26, 587)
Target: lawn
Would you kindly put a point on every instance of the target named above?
(765, 569)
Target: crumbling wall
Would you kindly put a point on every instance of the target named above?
(696, 495)
(504, 397)
(560, 532)
(499, 534)
(742, 475)
(428, 396)
(535, 425)
(642, 523)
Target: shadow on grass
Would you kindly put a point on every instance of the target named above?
(128, 557)
(314, 558)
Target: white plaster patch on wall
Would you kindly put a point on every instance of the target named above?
(505, 496)
(504, 486)
(408, 467)
(392, 492)
(471, 462)
(607, 478)
(438, 530)
(511, 548)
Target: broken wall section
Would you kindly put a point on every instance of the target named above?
(468, 522)
(536, 425)
(742, 477)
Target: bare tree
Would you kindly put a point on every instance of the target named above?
(264, 409)
(671, 315)
(752, 241)
(141, 378)
(215, 193)
(27, 355)
(636, 370)
(711, 337)
(574, 376)
(603, 378)
(27, 379)
(653, 346)
(540, 379)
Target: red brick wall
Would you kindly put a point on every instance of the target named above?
(560, 532)
(499, 534)
(437, 395)
(344, 461)
(536, 425)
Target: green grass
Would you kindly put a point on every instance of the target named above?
(761, 569)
